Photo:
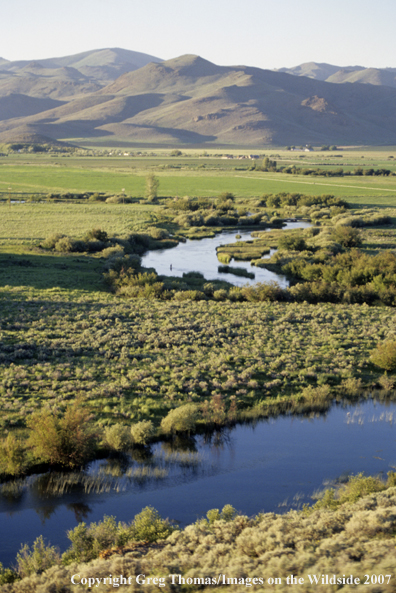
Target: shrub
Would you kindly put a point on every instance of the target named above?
(142, 432)
(227, 514)
(208, 289)
(64, 245)
(316, 395)
(149, 526)
(96, 235)
(158, 233)
(51, 241)
(292, 243)
(220, 295)
(358, 486)
(97, 198)
(118, 200)
(347, 236)
(384, 356)
(387, 383)
(7, 575)
(352, 386)
(181, 419)
(118, 437)
(88, 540)
(37, 559)
(12, 456)
(62, 441)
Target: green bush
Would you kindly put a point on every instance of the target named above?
(358, 486)
(142, 432)
(220, 295)
(51, 241)
(182, 419)
(384, 356)
(7, 575)
(12, 456)
(96, 235)
(292, 243)
(88, 540)
(118, 437)
(148, 526)
(347, 236)
(227, 514)
(64, 245)
(64, 441)
(36, 560)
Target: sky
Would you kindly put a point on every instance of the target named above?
(262, 33)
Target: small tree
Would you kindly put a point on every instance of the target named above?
(65, 441)
(152, 184)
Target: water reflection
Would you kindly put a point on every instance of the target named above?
(263, 465)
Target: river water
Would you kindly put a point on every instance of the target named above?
(270, 465)
(200, 256)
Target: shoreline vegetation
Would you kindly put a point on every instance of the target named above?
(348, 531)
(99, 354)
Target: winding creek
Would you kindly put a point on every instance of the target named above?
(270, 465)
(200, 256)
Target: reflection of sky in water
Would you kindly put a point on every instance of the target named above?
(266, 466)
(200, 256)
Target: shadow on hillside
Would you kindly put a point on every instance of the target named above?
(49, 271)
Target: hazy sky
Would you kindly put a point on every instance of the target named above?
(263, 33)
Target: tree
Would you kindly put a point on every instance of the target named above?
(152, 183)
(63, 440)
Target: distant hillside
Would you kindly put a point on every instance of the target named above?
(329, 73)
(192, 101)
(69, 76)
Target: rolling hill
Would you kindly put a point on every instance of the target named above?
(329, 73)
(189, 100)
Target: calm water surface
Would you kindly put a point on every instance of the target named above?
(200, 256)
(272, 465)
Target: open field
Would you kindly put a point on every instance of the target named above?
(32, 222)
(206, 176)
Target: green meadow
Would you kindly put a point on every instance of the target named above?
(205, 176)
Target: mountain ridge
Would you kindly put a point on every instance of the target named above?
(191, 100)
